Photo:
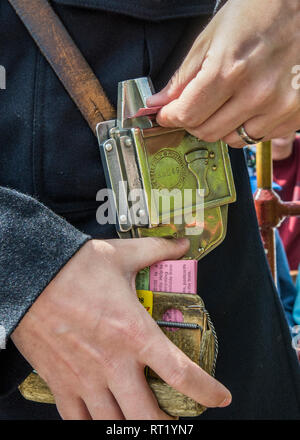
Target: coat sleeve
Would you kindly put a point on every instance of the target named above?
(35, 244)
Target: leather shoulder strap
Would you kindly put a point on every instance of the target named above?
(66, 60)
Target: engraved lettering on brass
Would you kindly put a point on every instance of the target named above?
(168, 169)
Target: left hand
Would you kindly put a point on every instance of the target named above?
(239, 71)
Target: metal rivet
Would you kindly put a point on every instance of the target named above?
(108, 147)
(211, 154)
(123, 218)
(214, 167)
(114, 131)
(141, 212)
(128, 142)
(201, 249)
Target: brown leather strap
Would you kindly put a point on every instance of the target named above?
(65, 58)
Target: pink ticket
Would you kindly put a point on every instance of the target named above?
(146, 111)
(176, 276)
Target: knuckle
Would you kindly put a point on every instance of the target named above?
(162, 119)
(210, 137)
(109, 251)
(134, 331)
(227, 139)
(107, 361)
(206, 134)
(263, 93)
(104, 358)
(183, 117)
(291, 105)
(198, 133)
(263, 97)
(159, 244)
(233, 71)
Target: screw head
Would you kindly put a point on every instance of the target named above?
(108, 147)
(214, 167)
(114, 131)
(123, 218)
(128, 142)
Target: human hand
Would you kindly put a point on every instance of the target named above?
(240, 70)
(89, 338)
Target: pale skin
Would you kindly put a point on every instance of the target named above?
(239, 71)
(87, 334)
(89, 337)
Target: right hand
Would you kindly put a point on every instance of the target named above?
(89, 338)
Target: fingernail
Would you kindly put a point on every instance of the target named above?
(151, 100)
(225, 402)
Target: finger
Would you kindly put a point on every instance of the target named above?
(143, 252)
(286, 128)
(103, 406)
(186, 72)
(224, 121)
(257, 128)
(134, 396)
(200, 99)
(71, 407)
(181, 373)
(264, 127)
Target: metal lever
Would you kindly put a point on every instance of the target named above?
(132, 96)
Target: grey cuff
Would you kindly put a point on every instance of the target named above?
(35, 244)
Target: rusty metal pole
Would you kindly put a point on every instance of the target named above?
(270, 209)
(263, 202)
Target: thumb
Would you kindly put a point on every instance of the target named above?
(170, 92)
(183, 75)
(144, 252)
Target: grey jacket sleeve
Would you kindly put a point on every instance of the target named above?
(35, 244)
